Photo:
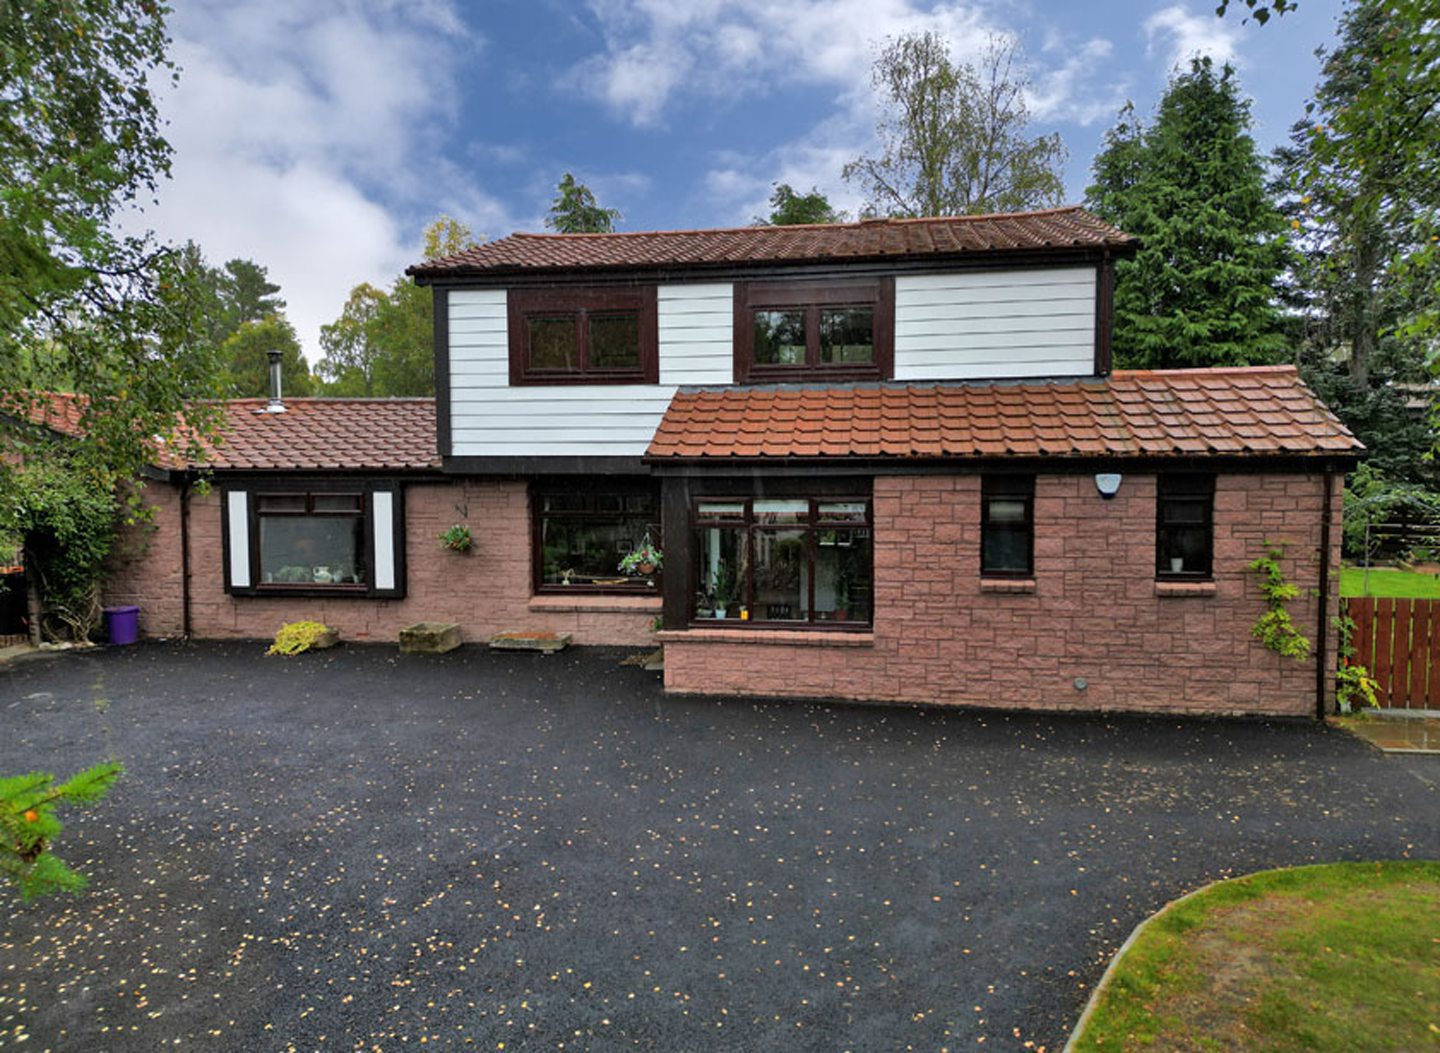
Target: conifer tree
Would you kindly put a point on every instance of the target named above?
(1202, 291)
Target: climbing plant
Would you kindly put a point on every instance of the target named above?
(1276, 629)
(1353, 682)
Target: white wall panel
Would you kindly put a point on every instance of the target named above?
(1015, 323)
(489, 418)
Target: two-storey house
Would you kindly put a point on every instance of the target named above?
(885, 460)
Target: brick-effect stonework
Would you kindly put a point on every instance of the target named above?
(485, 591)
(1094, 615)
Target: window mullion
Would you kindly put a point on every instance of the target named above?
(582, 339)
(812, 335)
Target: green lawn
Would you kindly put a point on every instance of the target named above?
(1385, 581)
(1325, 958)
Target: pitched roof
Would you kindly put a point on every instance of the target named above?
(336, 434)
(1240, 411)
(312, 434)
(1051, 229)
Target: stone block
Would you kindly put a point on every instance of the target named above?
(430, 637)
(544, 642)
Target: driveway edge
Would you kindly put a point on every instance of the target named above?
(1109, 973)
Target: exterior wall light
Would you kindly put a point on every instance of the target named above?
(1108, 483)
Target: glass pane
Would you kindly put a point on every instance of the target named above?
(565, 503)
(782, 511)
(782, 571)
(1007, 510)
(1183, 550)
(280, 502)
(721, 568)
(554, 343)
(780, 338)
(847, 335)
(1184, 510)
(336, 502)
(728, 510)
(584, 550)
(1005, 550)
(640, 503)
(847, 512)
(842, 575)
(615, 341)
(312, 550)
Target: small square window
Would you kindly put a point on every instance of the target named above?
(554, 343)
(847, 336)
(780, 338)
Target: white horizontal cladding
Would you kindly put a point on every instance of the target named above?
(697, 333)
(490, 418)
(1035, 321)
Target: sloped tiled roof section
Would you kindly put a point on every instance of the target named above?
(1255, 411)
(311, 435)
(328, 434)
(1052, 229)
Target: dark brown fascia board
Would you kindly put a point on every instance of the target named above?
(577, 464)
(307, 474)
(1078, 465)
(853, 266)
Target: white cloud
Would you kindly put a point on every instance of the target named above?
(1072, 91)
(308, 138)
(1184, 35)
(656, 50)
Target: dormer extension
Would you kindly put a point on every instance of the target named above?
(551, 348)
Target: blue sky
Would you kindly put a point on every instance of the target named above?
(319, 139)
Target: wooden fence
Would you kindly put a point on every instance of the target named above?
(1399, 642)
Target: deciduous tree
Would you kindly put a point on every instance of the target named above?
(81, 303)
(955, 138)
(247, 355)
(789, 208)
(383, 342)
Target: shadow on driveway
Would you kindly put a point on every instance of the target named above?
(355, 848)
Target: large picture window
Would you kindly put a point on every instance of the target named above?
(783, 561)
(1184, 526)
(311, 540)
(1007, 525)
(583, 336)
(797, 329)
(581, 537)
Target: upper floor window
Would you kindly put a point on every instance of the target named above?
(583, 336)
(1184, 526)
(794, 330)
(1007, 525)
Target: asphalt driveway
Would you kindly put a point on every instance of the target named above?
(362, 850)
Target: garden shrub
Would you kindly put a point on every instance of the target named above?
(298, 637)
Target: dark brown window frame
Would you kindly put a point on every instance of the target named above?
(540, 489)
(1184, 486)
(522, 304)
(811, 296)
(811, 526)
(1008, 487)
(259, 487)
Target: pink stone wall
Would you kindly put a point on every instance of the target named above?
(485, 591)
(1094, 613)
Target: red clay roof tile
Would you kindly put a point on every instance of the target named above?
(1058, 228)
(312, 434)
(1251, 411)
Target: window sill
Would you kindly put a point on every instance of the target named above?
(1184, 588)
(776, 637)
(1013, 585)
(597, 603)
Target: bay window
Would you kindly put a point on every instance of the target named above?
(783, 561)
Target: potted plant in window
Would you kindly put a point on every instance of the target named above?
(725, 590)
(643, 560)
